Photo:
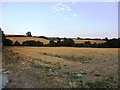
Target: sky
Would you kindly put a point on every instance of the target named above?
(61, 19)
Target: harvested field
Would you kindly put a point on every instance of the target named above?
(22, 39)
(92, 41)
(61, 67)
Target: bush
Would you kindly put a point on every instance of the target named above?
(32, 43)
(79, 45)
(7, 42)
(67, 42)
(16, 43)
(38, 43)
(52, 43)
(87, 43)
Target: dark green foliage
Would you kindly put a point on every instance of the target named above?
(64, 42)
(110, 43)
(16, 43)
(3, 37)
(113, 43)
(106, 39)
(38, 43)
(43, 37)
(87, 44)
(32, 43)
(68, 42)
(7, 42)
(94, 45)
(78, 38)
(52, 43)
(79, 45)
(29, 34)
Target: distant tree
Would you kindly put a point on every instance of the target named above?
(32, 43)
(70, 42)
(94, 45)
(67, 42)
(43, 37)
(119, 41)
(58, 38)
(105, 39)
(118, 38)
(113, 43)
(65, 39)
(26, 43)
(58, 42)
(16, 43)
(3, 37)
(28, 33)
(78, 38)
(7, 42)
(79, 45)
(38, 43)
(87, 43)
(52, 43)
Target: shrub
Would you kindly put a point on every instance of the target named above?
(68, 42)
(16, 43)
(87, 43)
(32, 43)
(7, 42)
(38, 43)
(52, 43)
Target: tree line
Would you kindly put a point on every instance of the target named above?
(110, 43)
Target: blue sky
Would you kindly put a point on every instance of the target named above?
(61, 19)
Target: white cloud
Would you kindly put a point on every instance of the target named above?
(74, 15)
(60, 7)
(55, 9)
(63, 10)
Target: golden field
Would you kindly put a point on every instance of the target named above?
(45, 41)
(61, 67)
(92, 41)
(22, 39)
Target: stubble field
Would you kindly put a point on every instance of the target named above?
(61, 67)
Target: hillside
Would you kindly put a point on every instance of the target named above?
(92, 41)
(65, 67)
(22, 38)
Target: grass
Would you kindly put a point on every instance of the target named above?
(22, 39)
(62, 66)
(81, 59)
(45, 41)
(105, 83)
(92, 41)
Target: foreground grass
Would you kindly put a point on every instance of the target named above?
(40, 66)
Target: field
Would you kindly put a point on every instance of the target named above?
(92, 41)
(45, 41)
(22, 39)
(61, 67)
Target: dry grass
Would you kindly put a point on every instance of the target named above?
(59, 65)
(22, 39)
(92, 41)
